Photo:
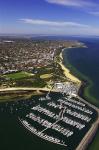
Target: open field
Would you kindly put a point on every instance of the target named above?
(19, 75)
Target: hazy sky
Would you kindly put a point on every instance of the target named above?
(56, 17)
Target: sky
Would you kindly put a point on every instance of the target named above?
(49, 17)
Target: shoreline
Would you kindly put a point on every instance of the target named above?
(67, 72)
(86, 85)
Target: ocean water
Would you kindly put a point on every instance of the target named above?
(84, 63)
(13, 135)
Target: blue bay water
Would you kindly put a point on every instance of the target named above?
(86, 61)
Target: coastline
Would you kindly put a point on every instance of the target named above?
(86, 84)
(66, 71)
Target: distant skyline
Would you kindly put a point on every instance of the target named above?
(50, 17)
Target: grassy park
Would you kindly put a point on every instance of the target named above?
(18, 75)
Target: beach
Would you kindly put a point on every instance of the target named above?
(67, 72)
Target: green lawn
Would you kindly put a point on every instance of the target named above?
(39, 79)
(18, 75)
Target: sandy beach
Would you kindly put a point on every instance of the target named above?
(67, 72)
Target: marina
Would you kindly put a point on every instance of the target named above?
(53, 120)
